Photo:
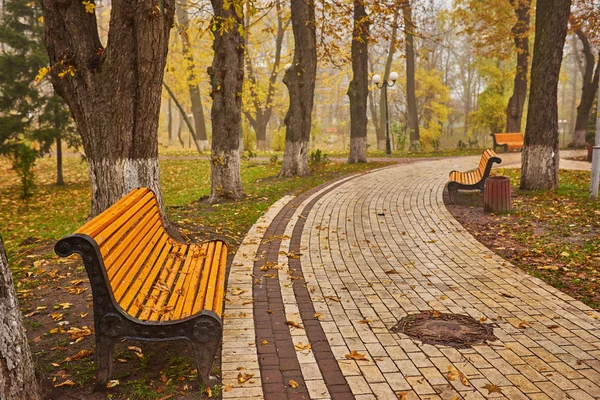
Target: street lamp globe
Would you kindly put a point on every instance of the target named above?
(376, 79)
(394, 76)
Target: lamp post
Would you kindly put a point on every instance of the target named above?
(383, 86)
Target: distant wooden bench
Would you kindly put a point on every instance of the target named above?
(474, 179)
(146, 285)
(508, 141)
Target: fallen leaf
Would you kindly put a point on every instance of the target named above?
(523, 325)
(482, 320)
(294, 324)
(318, 316)
(443, 297)
(293, 384)
(244, 377)
(401, 396)
(264, 342)
(364, 321)
(436, 314)
(299, 346)
(270, 312)
(454, 374)
(508, 296)
(112, 383)
(492, 388)
(68, 382)
(355, 355)
(81, 354)
(391, 272)
(76, 290)
(227, 388)
(334, 298)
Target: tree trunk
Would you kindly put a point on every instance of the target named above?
(17, 370)
(262, 116)
(411, 100)
(541, 153)
(588, 92)
(114, 93)
(300, 81)
(59, 161)
(383, 97)
(359, 86)
(185, 118)
(577, 68)
(197, 111)
(520, 33)
(226, 77)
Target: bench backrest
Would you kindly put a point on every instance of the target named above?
(485, 157)
(132, 241)
(508, 137)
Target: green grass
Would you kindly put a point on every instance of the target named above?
(57, 211)
(559, 228)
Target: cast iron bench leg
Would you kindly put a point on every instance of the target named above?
(104, 355)
(205, 341)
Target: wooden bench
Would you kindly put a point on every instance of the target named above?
(146, 285)
(474, 179)
(508, 141)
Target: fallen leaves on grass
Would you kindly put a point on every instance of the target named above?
(81, 354)
(68, 382)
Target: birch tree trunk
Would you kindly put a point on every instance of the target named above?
(114, 93)
(300, 81)
(359, 86)
(17, 372)
(541, 153)
(520, 33)
(226, 78)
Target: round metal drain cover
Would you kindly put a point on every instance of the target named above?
(453, 330)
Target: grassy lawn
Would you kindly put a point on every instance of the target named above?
(56, 211)
(552, 235)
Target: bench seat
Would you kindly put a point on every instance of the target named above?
(508, 141)
(473, 179)
(146, 285)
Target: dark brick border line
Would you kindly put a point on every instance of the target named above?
(277, 359)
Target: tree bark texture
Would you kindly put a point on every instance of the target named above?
(262, 113)
(541, 153)
(197, 111)
(383, 97)
(300, 81)
(114, 93)
(226, 76)
(520, 33)
(17, 371)
(588, 91)
(359, 86)
(411, 100)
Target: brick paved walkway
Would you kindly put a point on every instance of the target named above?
(330, 272)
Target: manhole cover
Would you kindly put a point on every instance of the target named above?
(453, 330)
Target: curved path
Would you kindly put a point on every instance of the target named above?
(330, 272)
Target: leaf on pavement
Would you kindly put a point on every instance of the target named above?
(243, 377)
(492, 389)
(355, 355)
